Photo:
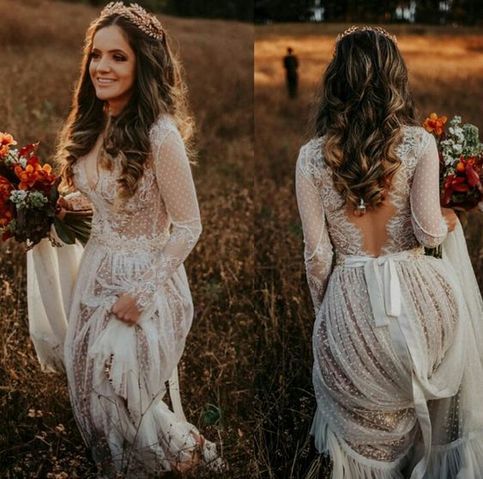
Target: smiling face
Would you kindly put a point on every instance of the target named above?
(112, 67)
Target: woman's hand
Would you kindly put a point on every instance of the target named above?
(450, 217)
(125, 308)
(63, 206)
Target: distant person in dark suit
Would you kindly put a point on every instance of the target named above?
(291, 63)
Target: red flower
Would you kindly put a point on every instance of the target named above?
(28, 149)
(472, 175)
(6, 213)
(5, 189)
(6, 208)
(453, 184)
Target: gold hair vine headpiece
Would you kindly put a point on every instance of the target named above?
(366, 28)
(146, 22)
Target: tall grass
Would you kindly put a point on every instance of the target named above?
(40, 45)
(445, 68)
(249, 349)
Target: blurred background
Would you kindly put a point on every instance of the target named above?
(437, 12)
(228, 9)
(40, 51)
(442, 44)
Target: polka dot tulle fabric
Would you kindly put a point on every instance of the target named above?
(118, 373)
(394, 396)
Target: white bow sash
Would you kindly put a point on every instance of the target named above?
(382, 283)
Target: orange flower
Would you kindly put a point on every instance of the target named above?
(34, 173)
(6, 139)
(435, 124)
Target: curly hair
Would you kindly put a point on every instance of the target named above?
(159, 88)
(364, 102)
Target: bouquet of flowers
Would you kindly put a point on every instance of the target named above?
(461, 161)
(28, 199)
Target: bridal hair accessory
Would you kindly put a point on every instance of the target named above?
(145, 21)
(365, 28)
(360, 208)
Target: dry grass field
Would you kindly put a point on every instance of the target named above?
(249, 349)
(446, 73)
(40, 46)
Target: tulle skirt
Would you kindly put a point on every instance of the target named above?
(118, 374)
(399, 396)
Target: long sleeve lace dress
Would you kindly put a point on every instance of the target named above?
(397, 375)
(117, 373)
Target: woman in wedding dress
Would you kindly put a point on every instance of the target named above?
(123, 149)
(397, 374)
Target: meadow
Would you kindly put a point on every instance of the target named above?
(40, 46)
(445, 72)
(248, 352)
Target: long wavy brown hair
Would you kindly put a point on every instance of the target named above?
(159, 88)
(364, 101)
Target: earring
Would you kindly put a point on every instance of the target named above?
(360, 209)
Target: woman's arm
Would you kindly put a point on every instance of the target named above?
(429, 225)
(176, 186)
(318, 251)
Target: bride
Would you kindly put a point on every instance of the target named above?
(397, 374)
(130, 309)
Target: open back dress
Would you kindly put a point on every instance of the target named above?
(397, 375)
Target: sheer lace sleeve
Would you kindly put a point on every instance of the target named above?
(176, 186)
(429, 226)
(318, 251)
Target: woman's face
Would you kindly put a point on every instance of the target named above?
(112, 67)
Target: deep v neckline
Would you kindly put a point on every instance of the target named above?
(97, 146)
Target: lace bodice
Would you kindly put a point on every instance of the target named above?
(161, 219)
(330, 234)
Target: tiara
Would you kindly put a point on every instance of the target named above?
(366, 28)
(146, 22)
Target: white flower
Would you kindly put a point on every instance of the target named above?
(12, 157)
(37, 199)
(449, 160)
(22, 161)
(457, 148)
(455, 121)
(18, 197)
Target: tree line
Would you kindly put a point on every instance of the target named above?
(464, 12)
(227, 9)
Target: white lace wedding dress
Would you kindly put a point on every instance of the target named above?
(397, 373)
(117, 374)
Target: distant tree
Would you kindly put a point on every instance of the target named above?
(468, 12)
(428, 11)
(283, 10)
(232, 9)
(229, 9)
(465, 12)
